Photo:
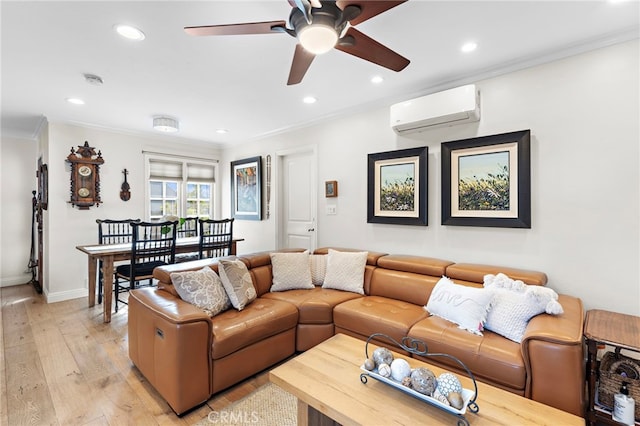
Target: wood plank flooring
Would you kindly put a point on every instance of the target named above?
(61, 365)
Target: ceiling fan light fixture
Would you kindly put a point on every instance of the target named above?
(317, 38)
(166, 124)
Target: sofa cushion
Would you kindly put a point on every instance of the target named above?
(491, 356)
(234, 330)
(515, 303)
(237, 282)
(203, 289)
(345, 271)
(290, 271)
(318, 266)
(373, 314)
(315, 306)
(463, 305)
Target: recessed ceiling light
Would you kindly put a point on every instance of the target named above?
(222, 131)
(309, 100)
(469, 47)
(75, 101)
(127, 31)
(377, 79)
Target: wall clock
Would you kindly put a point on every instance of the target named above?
(85, 176)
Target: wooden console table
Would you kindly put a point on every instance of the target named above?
(613, 329)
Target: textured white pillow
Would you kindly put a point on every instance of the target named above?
(290, 271)
(345, 271)
(237, 282)
(203, 289)
(318, 265)
(515, 303)
(461, 304)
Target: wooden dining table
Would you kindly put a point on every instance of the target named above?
(111, 253)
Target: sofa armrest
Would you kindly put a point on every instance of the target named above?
(170, 343)
(553, 353)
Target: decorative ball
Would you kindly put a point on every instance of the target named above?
(400, 369)
(440, 397)
(423, 380)
(382, 356)
(406, 381)
(447, 383)
(369, 364)
(455, 399)
(384, 370)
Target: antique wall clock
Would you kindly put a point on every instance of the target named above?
(85, 176)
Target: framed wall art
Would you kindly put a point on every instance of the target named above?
(397, 187)
(246, 184)
(331, 188)
(486, 181)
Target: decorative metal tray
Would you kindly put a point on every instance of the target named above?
(418, 347)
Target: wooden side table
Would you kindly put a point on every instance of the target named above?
(613, 329)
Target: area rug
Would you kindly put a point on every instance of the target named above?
(269, 405)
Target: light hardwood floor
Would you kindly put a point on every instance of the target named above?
(61, 365)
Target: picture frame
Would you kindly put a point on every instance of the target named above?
(246, 189)
(43, 184)
(397, 187)
(486, 181)
(331, 188)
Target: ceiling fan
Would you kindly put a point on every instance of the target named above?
(319, 27)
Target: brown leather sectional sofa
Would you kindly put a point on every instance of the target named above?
(188, 357)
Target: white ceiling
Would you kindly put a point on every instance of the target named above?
(239, 82)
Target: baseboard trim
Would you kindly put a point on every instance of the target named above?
(61, 296)
(17, 280)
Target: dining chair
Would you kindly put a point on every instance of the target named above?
(187, 227)
(152, 245)
(112, 231)
(216, 237)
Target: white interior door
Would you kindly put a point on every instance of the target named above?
(298, 183)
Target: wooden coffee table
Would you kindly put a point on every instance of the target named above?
(326, 381)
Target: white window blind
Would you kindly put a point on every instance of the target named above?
(200, 172)
(162, 169)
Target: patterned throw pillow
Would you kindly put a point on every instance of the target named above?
(460, 304)
(203, 289)
(291, 271)
(237, 282)
(318, 265)
(515, 303)
(345, 271)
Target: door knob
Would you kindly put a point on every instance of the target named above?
(310, 230)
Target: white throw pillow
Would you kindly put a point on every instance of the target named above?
(290, 271)
(318, 265)
(515, 303)
(237, 282)
(345, 271)
(460, 304)
(203, 289)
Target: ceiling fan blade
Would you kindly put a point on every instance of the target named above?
(370, 8)
(358, 44)
(235, 29)
(301, 62)
(304, 6)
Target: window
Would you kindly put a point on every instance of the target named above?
(179, 187)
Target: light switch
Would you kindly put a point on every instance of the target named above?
(331, 209)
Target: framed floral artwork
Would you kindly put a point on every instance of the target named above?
(397, 187)
(486, 181)
(246, 184)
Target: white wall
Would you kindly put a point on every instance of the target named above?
(18, 178)
(583, 113)
(68, 226)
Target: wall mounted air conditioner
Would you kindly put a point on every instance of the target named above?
(453, 106)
